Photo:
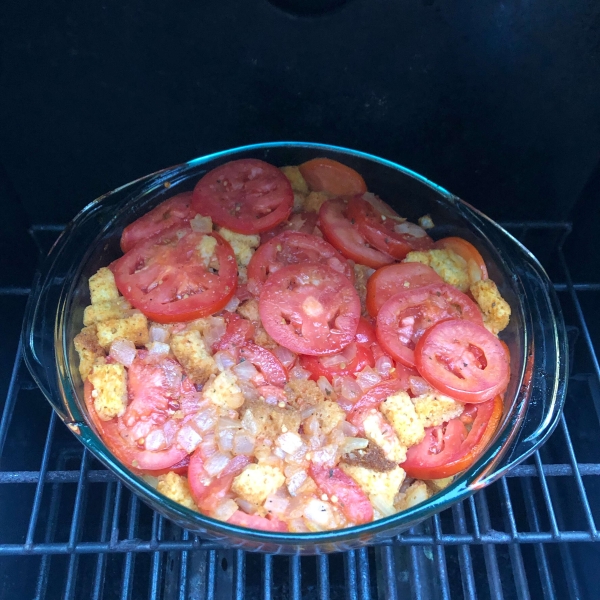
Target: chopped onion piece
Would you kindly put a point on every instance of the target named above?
(225, 510)
(155, 440)
(426, 222)
(277, 505)
(289, 442)
(225, 440)
(287, 357)
(418, 386)
(295, 481)
(158, 334)
(299, 373)
(348, 388)
(158, 348)
(367, 378)
(188, 438)
(246, 506)
(320, 513)
(216, 463)
(214, 330)
(325, 386)
(232, 305)
(249, 423)
(204, 420)
(245, 371)
(249, 391)
(332, 360)
(348, 429)
(224, 360)
(353, 443)
(123, 351)
(384, 366)
(324, 456)
(201, 224)
(410, 229)
(243, 443)
(227, 423)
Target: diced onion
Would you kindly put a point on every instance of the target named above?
(232, 305)
(158, 348)
(249, 391)
(367, 378)
(158, 334)
(227, 423)
(214, 330)
(204, 420)
(325, 386)
(348, 388)
(225, 510)
(418, 386)
(289, 442)
(224, 360)
(243, 443)
(324, 455)
(188, 438)
(245, 371)
(155, 440)
(201, 224)
(225, 440)
(287, 357)
(320, 513)
(295, 481)
(347, 355)
(277, 505)
(410, 229)
(353, 443)
(249, 423)
(123, 351)
(246, 506)
(384, 366)
(216, 463)
(348, 429)
(299, 373)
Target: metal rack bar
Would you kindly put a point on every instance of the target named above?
(101, 561)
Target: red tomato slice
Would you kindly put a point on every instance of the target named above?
(269, 365)
(448, 449)
(391, 279)
(365, 334)
(475, 262)
(174, 211)
(291, 248)
(327, 175)
(345, 236)
(404, 318)
(302, 222)
(168, 280)
(247, 196)
(385, 233)
(464, 360)
(257, 522)
(181, 468)
(238, 332)
(156, 391)
(351, 499)
(310, 309)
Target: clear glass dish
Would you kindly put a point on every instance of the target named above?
(536, 335)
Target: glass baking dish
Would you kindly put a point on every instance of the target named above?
(536, 334)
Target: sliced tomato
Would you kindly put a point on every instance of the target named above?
(475, 262)
(174, 211)
(156, 392)
(345, 236)
(351, 499)
(168, 279)
(365, 334)
(302, 222)
(464, 360)
(391, 279)
(291, 248)
(269, 523)
(404, 318)
(237, 333)
(310, 309)
(268, 364)
(449, 449)
(327, 175)
(248, 196)
(389, 235)
(376, 395)
(181, 468)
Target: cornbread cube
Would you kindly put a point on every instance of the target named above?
(496, 310)
(206, 249)
(329, 415)
(103, 311)
(256, 482)
(243, 245)
(177, 488)
(224, 391)
(451, 267)
(133, 328)
(89, 349)
(416, 493)
(191, 351)
(103, 287)
(296, 180)
(249, 310)
(378, 431)
(314, 201)
(110, 390)
(400, 412)
(435, 409)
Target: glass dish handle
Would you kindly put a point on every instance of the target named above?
(55, 273)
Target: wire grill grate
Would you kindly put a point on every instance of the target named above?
(71, 527)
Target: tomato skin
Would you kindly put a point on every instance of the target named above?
(464, 360)
(270, 366)
(181, 468)
(174, 211)
(299, 303)
(365, 334)
(243, 519)
(487, 418)
(351, 499)
(290, 248)
(327, 175)
(247, 196)
(425, 306)
(341, 233)
(391, 279)
(379, 230)
(163, 275)
(237, 333)
(475, 263)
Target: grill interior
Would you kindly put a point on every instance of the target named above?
(70, 530)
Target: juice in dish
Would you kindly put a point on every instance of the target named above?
(281, 350)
